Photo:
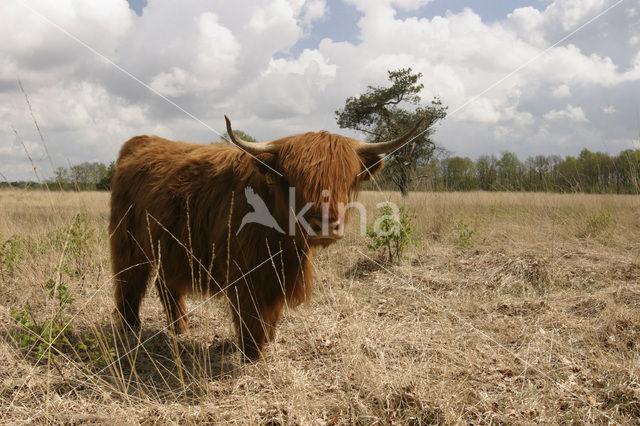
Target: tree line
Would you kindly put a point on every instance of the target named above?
(591, 172)
(87, 176)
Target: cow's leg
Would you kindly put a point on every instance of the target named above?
(272, 316)
(130, 284)
(172, 298)
(255, 321)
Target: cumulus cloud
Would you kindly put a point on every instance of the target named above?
(561, 91)
(314, 10)
(213, 59)
(570, 113)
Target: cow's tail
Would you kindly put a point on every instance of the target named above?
(130, 268)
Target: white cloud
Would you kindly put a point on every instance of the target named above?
(571, 13)
(609, 109)
(217, 51)
(26, 34)
(314, 10)
(571, 113)
(289, 88)
(410, 4)
(279, 15)
(561, 91)
(176, 82)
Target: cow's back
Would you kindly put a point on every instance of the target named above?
(155, 179)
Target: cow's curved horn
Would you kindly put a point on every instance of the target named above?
(388, 146)
(250, 147)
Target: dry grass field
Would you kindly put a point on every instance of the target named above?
(516, 308)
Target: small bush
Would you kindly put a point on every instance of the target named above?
(75, 241)
(598, 223)
(392, 232)
(11, 252)
(50, 333)
(464, 234)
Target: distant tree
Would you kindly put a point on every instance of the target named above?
(83, 176)
(62, 176)
(104, 184)
(509, 171)
(378, 114)
(538, 173)
(87, 175)
(627, 169)
(459, 174)
(486, 172)
(568, 175)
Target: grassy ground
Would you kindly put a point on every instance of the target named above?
(516, 308)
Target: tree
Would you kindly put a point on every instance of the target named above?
(378, 114)
(104, 184)
(83, 176)
(509, 172)
(87, 175)
(459, 174)
(486, 172)
(539, 176)
(62, 176)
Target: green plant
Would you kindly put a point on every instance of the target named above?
(98, 348)
(60, 291)
(597, 223)
(52, 332)
(41, 336)
(76, 240)
(392, 232)
(11, 252)
(56, 332)
(464, 234)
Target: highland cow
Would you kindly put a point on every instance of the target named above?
(176, 219)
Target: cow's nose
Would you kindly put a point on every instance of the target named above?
(336, 229)
(327, 229)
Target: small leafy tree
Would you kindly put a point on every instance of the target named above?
(84, 176)
(392, 232)
(104, 184)
(378, 114)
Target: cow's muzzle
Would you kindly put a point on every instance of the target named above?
(326, 229)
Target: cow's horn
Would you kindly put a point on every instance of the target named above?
(388, 146)
(250, 147)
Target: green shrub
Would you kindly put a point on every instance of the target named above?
(50, 333)
(392, 232)
(464, 234)
(11, 252)
(75, 241)
(598, 223)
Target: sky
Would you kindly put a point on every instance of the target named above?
(526, 76)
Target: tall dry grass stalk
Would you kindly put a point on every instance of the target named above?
(517, 308)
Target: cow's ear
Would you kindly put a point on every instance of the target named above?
(372, 164)
(266, 163)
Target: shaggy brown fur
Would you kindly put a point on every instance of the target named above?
(175, 210)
